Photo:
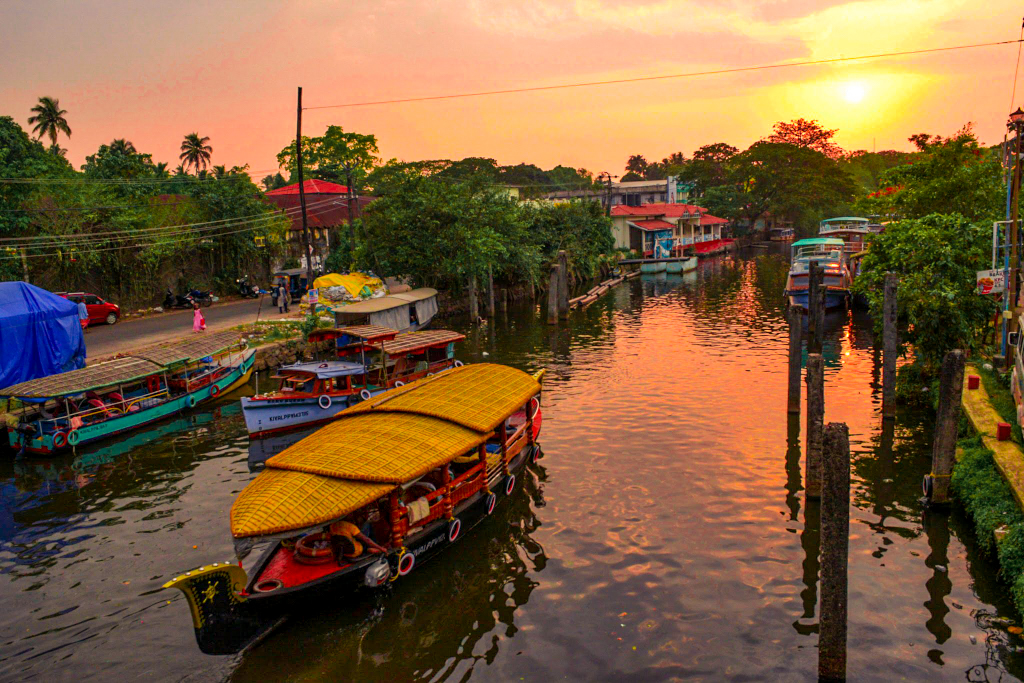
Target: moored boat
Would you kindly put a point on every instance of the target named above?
(370, 360)
(828, 253)
(404, 311)
(367, 499)
(781, 234)
(650, 267)
(100, 400)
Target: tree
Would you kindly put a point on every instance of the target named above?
(636, 164)
(49, 120)
(809, 134)
(953, 175)
(195, 152)
(707, 168)
(333, 156)
(160, 170)
(937, 258)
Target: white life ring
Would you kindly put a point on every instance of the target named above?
(399, 383)
(324, 401)
(454, 527)
(511, 484)
(458, 363)
(405, 563)
(365, 394)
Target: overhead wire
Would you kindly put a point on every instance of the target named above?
(690, 74)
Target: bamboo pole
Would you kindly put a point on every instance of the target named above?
(553, 286)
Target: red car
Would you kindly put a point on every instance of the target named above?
(99, 310)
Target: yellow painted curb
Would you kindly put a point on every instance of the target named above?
(983, 418)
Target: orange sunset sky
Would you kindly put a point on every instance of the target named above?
(152, 72)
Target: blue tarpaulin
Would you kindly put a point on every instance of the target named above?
(40, 334)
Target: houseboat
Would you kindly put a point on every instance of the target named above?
(367, 499)
(828, 253)
(403, 312)
(369, 360)
(852, 230)
(781, 234)
(82, 406)
(683, 265)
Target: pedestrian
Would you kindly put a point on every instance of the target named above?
(273, 294)
(83, 315)
(198, 321)
(282, 298)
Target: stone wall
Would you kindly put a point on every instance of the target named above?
(286, 351)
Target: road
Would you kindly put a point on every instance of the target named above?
(106, 340)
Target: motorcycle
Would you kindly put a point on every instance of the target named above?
(245, 290)
(201, 297)
(172, 300)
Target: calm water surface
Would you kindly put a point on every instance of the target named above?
(664, 535)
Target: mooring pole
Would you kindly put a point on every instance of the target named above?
(553, 286)
(563, 285)
(474, 304)
(490, 292)
(812, 304)
(835, 548)
(890, 344)
(951, 384)
(795, 319)
(815, 420)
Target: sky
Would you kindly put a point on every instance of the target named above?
(153, 72)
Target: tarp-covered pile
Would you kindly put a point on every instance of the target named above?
(39, 333)
(334, 288)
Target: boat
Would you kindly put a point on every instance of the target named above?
(650, 267)
(852, 230)
(367, 499)
(781, 234)
(682, 265)
(404, 311)
(371, 359)
(75, 408)
(828, 252)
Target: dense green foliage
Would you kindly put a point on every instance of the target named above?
(936, 258)
(335, 156)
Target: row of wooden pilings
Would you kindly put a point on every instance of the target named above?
(827, 453)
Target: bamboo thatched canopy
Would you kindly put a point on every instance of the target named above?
(417, 341)
(189, 349)
(100, 375)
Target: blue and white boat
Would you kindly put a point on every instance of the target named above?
(828, 253)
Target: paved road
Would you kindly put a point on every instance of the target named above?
(106, 340)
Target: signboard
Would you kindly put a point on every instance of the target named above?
(991, 281)
(314, 297)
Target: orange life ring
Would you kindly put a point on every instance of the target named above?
(152, 384)
(60, 439)
(314, 549)
(215, 391)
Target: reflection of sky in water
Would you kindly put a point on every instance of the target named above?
(664, 536)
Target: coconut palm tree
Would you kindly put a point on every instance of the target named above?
(195, 152)
(122, 146)
(49, 120)
(160, 170)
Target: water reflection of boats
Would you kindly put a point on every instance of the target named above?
(260, 450)
(391, 482)
(105, 399)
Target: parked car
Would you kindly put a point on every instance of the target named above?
(100, 311)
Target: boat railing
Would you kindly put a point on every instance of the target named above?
(110, 410)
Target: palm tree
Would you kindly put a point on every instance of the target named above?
(160, 170)
(219, 172)
(195, 152)
(122, 147)
(49, 120)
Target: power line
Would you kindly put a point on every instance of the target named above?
(639, 79)
(1016, 67)
(133, 181)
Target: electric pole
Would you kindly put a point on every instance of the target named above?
(608, 193)
(351, 198)
(302, 194)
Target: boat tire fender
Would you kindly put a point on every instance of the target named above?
(324, 401)
(268, 585)
(190, 401)
(510, 484)
(74, 437)
(535, 456)
(399, 383)
(491, 502)
(454, 527)
(365, 394)
(458, 363)
(430, 374)
(60, 439)
(926, 486)
(406, 563)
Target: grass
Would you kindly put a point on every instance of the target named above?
(1001, 398)
(990, 504)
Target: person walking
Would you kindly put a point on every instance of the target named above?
(83, 315)
(198, 321)
(282, 298)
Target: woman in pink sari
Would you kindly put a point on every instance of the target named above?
(198, 321)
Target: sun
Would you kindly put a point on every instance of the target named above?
(854, 92)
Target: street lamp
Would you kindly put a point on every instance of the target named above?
(1016, 118)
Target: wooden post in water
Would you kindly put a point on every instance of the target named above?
(835, 549)
(490, 292)
(563, 285)
(795, 319)
(474, 305)
(951, 384)
(890, 342)
(812, 300)
(815, 419)
(819, 311)
(503, 298)
(553, 286)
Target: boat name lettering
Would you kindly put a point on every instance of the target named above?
(428, 545)
(288, 416)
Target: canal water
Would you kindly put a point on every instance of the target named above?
(663, 536)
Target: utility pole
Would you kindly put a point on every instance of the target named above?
(351, 198)
(1013, 286)
(608, 194)
(302, 194)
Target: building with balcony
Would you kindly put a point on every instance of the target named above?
(688, 226)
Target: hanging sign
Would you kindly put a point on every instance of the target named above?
(991, 281)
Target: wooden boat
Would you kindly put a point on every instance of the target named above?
(373, 359)
(828, 252)
(653, 267)
(367, 499)
(100, 400)
(781, 234)
(404, 311)
(681, 266)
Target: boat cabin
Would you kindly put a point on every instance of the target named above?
(403, 312)
(411, 356)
